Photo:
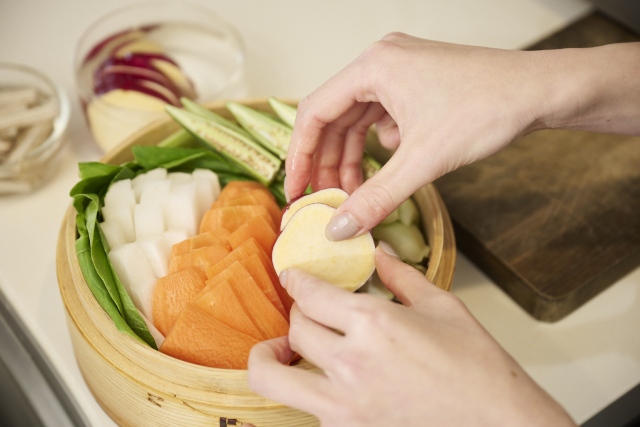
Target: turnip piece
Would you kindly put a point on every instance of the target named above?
(153, 177)
(114, 234)
(392, 217)
(119, 203)
(120, 193)
(120, 216)
(181, 209)
(155, 192)
(148, 220)
(333, 197)
(175, 236)
(302, 244)
(207, 188)
(157, 249)
(406, 240)
(408, 212)
(155, 333)
(132, 268)
(179, 177)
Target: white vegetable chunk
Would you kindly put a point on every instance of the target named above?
(155, 192)
(181, 209)
(207, 188)
(155, 333)
(148, 220)
(120, 193)
(121, 216)
(175, 236)
(179, 177)
(157, 249)
(140, 182)
(135, 273)
(113, 232)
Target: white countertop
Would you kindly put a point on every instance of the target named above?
(585, 361)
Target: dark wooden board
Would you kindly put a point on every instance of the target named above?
(555, 218)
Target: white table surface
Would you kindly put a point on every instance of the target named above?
(585, 361)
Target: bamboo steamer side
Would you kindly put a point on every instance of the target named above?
(138, 386)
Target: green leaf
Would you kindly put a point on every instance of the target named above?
(127, 307)
(98, 289)
(96, 169)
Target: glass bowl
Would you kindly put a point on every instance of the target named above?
(136, 59)
(34, 115)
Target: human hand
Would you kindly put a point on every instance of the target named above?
(427, 362)
(443, 106)
(440, 105)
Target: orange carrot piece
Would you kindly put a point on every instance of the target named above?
(257, 228)
(219, 236)
(269, 321)
(171, 294)
(250, 255)
(222, 303)
(197, 337)
(180, 248)
(232, 217)
(199, 259)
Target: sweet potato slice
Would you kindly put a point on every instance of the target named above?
(302, 245)
(171, 294)
(197, 337)
(222, 303)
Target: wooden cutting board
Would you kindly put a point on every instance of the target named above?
(553, 219)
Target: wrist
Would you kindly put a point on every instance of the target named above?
(591, 89)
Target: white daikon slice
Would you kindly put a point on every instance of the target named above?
(135, 273)
(120, 216)
(148, 220)
(120, 193)
(179, 177)
(139, 182)
(155, 333)
(156, 249)
(155, 192)
(181, 209)
(113, 232)
(175, 236)
(207, 188)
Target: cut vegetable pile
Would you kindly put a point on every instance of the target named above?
(182, 246)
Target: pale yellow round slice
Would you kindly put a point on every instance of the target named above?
(302, 245)
(333, 197)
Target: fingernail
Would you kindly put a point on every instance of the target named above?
(341, 227)
(283, 278)
(286, 193)
(388, 249)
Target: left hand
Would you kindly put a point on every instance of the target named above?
(427, 362)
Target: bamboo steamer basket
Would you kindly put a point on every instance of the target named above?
(138, 386)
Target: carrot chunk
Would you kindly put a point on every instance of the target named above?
(252, 258)
(232, 217)
(257, 228)
(171, 294)
(221, 302)
(199, 259)
(197, 337)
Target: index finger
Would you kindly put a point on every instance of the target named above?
(331, 108)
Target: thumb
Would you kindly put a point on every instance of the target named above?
(375, 199)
